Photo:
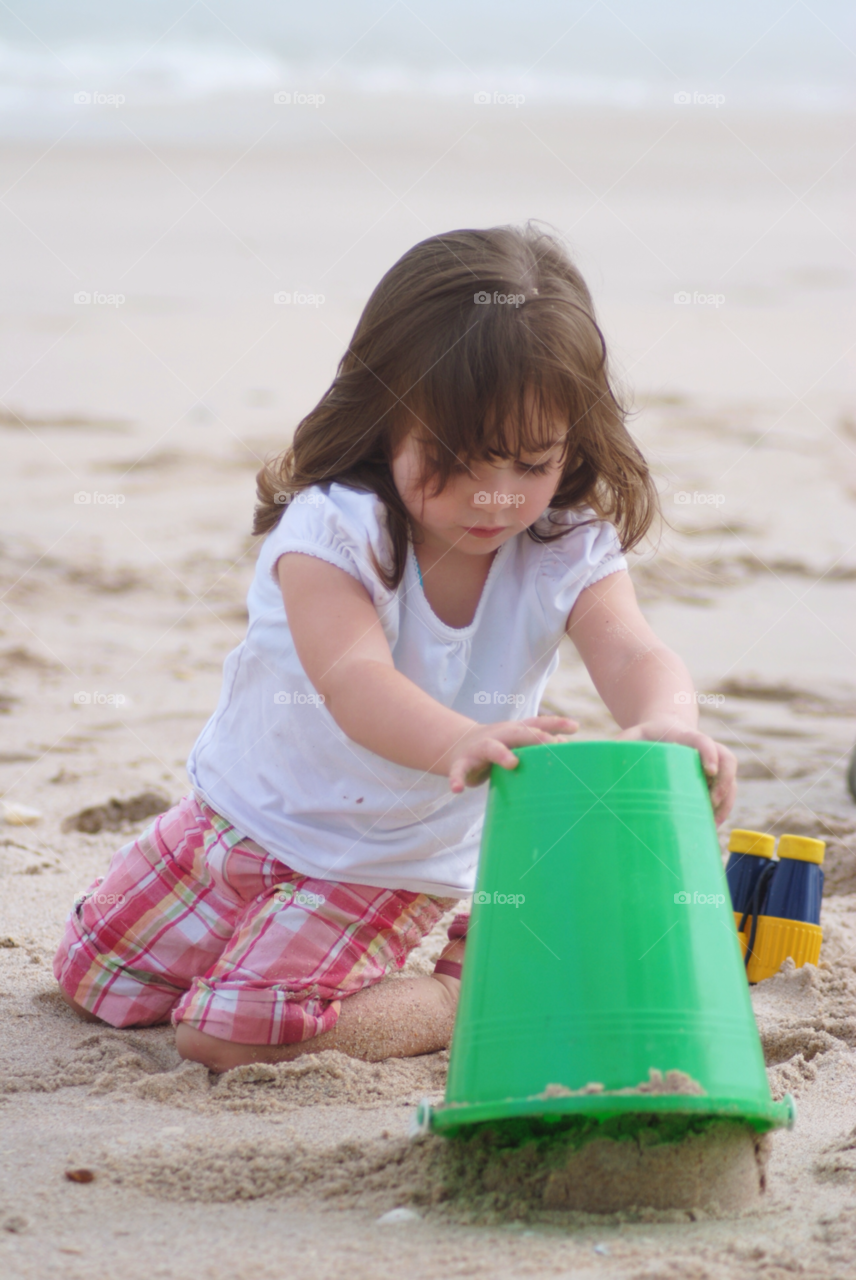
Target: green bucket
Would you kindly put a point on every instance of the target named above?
(602, 945)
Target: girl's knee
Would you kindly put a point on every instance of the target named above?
(195, 1046)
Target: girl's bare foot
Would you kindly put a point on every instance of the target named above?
(450, 963)
(78, 1008)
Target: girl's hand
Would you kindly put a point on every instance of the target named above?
(486, 744)
(719, 764)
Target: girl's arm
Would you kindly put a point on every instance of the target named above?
(343, 650)
(644, 684)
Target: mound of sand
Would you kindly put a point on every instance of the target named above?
(718, 1168)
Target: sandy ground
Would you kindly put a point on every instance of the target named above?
(168, 402)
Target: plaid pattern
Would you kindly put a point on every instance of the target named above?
(195, 923)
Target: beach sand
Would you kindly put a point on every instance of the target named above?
(119, 610)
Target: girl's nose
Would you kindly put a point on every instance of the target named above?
(498, 491)
(503, 483)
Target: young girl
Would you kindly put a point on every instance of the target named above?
(457, 502)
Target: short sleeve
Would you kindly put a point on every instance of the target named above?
(578, 559)
(337, 524)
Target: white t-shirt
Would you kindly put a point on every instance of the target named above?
(273, 761)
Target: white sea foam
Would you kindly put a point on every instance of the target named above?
(44, 81)
(618, 56)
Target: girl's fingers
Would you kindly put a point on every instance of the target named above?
(496, 752)
(473, 769)
(466, 773)
(729, 766)
(723, 783)
(709, 753)
(706, 747)
(725, 790)
(723, 806)
(530, 737)
(552, 724)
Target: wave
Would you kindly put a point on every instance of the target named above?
(40, 82)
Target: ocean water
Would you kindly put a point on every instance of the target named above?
(158, 55)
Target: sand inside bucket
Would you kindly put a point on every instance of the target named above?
(659, 1082)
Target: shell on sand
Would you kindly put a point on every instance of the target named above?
(19, 815)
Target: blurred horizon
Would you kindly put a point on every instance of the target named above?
(768, 56)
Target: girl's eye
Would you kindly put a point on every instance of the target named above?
(536, 469)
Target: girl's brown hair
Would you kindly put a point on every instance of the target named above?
(478, 340)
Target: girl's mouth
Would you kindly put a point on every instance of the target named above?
(479, 531)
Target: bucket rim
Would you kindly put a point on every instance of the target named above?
(642, 746)
(446, 1119)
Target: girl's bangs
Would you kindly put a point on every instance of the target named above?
(519, 413)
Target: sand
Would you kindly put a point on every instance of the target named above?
(171, 403)
(716, 1172)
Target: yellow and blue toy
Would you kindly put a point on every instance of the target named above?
(776, 901)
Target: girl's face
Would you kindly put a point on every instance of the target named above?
(484, 503)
